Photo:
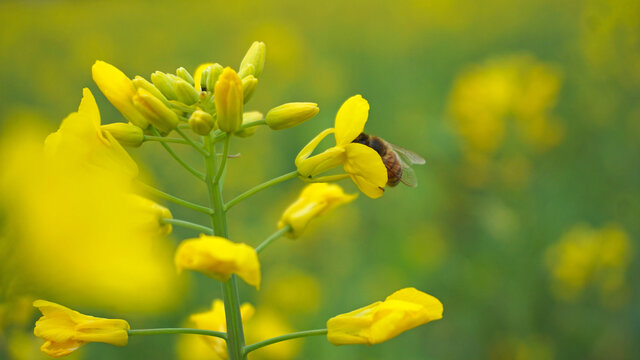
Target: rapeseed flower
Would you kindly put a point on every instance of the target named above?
(362, 163)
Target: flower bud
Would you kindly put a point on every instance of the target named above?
(291, 114)
(249, 117)
(157, 113)
(150, 216)
(228, 100)
(253, 61)
(165, 84)
(119, 89)
(215, 71)
(315, 200)
(186, 92)
(127, 134)
(185, 75)
(141, 82)
(201, 122)
(249, 84)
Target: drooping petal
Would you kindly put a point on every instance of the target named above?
(308, 149)
(366, 169)
(350, 119)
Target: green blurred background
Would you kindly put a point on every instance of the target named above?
(526, 218)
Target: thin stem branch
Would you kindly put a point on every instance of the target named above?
(275, 236)
(277, 339)
(219, 134)
(164, 139)
(135, 332)
(189, 225)
(189, 140)
(187, 167)
(223, 163)
(163, 195)
(259, 188)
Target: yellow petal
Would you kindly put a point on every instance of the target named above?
(308, 149)
(197, 76)
(350, 119)
(366, 169)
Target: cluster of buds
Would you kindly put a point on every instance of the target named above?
(211, 99)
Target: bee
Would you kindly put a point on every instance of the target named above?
(397, 160)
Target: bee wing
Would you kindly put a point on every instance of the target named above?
(409, 177)
(408, 156)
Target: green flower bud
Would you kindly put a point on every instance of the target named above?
(249, 84)
(253, 61)
(185, 75)
(165, 84)
(201, 122)
(291, 114)
(214, 73)
(140, 82)
(127, 134)
(186, 92)
(156, 112)
(228, 100)
(249, 117)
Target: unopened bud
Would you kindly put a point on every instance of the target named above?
(156, 112)
(253, 61)
(127, 134)
(228, 100)
(186, 92)
(164, 83)
(141, 82)
(201, 122)
(249, 84)
(215, 71)
(291, 114)
(185, 75)
(249, 117)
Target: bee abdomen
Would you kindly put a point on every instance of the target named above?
(394, 169)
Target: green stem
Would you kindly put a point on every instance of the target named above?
(153, 191)
(235, 340)
(260, 187)
(135, 332)
(164, 139)
(219, 134)
(275, 236)
(188, 225)
(223, 164)
(277, 339)
(187, 167)
(189, 140)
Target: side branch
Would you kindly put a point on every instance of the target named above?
(277, 339)
(259, 188)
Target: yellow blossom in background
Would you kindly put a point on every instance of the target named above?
(383, 320)
(315, 200)
(266, 324)
(119, 89)
(215, 320)
(293, 291)
(65, 330)
(71, 231)
(363, 164)
(219, 258)
(585, 256)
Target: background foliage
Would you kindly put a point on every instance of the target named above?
(526, 218)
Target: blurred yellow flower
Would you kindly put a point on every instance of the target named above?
(219, 258)
(363, 164)
(315, 200)
(65, 330)
(267, 324)
(150, 216)
(228, 99)
(215, 320)
(584, 255)
(381, 321)
(293, 291)
(119, 89)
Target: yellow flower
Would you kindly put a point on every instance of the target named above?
(381, 321)
(363, 164)
(150, 216)
(65, 330)
(219, 258)
(81, 140)
(228, 98)
(215, 320)
(119, 89)
(315, 200)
